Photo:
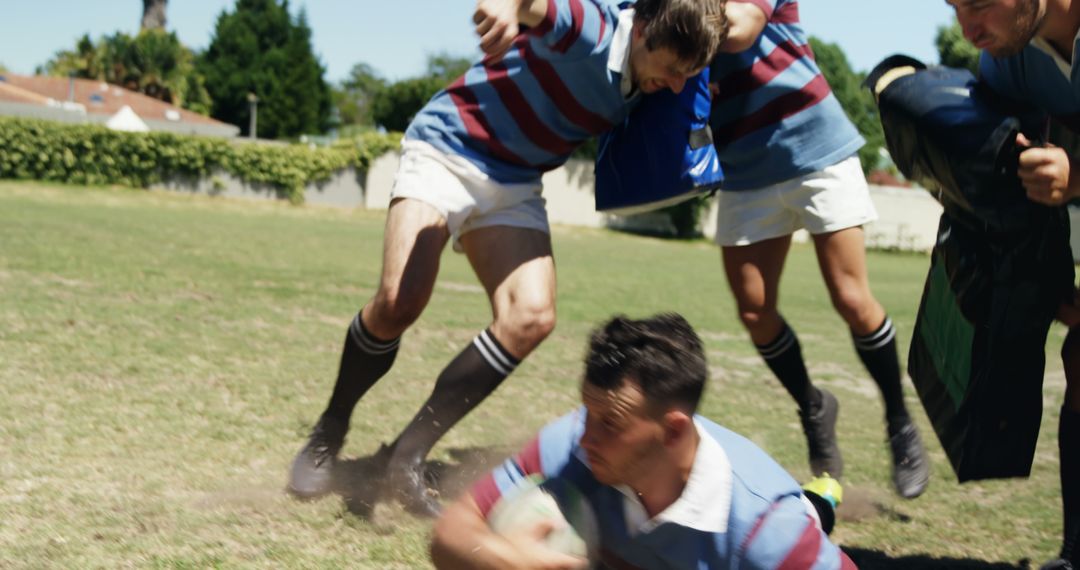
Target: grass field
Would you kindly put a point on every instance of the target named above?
(163, 356)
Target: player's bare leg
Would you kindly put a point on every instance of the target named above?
(842, 260)
(753, 273)
(516, 269)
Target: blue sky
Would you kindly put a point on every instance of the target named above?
(395, 36)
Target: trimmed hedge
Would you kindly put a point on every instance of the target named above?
(93, 154)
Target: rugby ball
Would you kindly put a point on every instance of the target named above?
(533, 501)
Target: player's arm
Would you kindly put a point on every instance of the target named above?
(788, 537)
(746, 21)
(498, 22)
(462, 539)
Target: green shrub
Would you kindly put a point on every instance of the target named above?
(92, 154)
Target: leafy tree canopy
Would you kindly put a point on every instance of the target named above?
(395, 106)
(856, 101)
(259, 49)
(954, 50)
(354, 97)
(154, 63)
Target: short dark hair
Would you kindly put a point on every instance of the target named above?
(692, 29)
(661, 354)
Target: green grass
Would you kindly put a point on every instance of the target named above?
(163, 356)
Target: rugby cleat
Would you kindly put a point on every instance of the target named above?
(312, 472)
(910, 466)
(819, 425)
(407, 485)
(1058, 564)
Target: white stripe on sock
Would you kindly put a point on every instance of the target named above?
(368, 344)
(878, 339)
(779, 346)
(488, 341)
(489, 358)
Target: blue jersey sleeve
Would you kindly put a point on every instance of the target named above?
(544, 456)
(573, 25)
(788, 537)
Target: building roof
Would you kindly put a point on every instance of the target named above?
(98, 97)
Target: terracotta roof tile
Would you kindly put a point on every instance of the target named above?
(101, 98)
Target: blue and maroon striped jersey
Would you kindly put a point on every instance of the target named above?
(739, 509)
(521, 115)
(774, 116)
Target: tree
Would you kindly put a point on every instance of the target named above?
(260, 49)
(355, 96)
(3, 68)
(856, 101)
(395, 106)
(153, 63)
(153, 17)
(954, 50)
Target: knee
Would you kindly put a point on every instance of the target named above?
(757, 317)
(527, 324)
(856, 307)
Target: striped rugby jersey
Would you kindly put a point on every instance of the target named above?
(739, 509)
(523, 114)
(775, 117)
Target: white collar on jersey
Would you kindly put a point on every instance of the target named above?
(705, 502)
(1063, 66)
(619, 52)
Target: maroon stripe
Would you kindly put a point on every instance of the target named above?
(846, 563)
(522, 113)
(774, 111)
(787, 14)
(560, 94)
(806, 550)
(577, 19)
(486, 493)
(529, 458)
(762, 72)
(476, 125)
(757, 527)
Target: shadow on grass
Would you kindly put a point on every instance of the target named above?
(873, 560)
(361, 482)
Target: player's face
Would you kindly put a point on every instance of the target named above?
(622, 440)
(1001, 27)
(654, 70)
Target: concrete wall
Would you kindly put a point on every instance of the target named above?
(907, 217)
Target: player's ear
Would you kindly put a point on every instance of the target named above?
(677, 425)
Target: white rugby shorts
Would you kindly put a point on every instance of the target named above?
(466, 197)
(831, 199)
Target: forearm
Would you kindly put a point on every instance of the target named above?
(745, 24)
(532, 12)
(462, 540)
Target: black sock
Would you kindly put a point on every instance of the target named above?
(783, 355)
(364, 359)
(462, 385)
(877, 351)
(1069, 449)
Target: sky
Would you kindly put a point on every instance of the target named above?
(396, 36)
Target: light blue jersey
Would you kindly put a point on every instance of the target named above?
(774, 116)
(739, 509)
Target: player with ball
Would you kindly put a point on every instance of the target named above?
(663, 487)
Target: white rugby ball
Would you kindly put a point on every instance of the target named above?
(576, 531)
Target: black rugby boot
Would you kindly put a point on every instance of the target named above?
(910, 466)
(312, 472)
(819, 425)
